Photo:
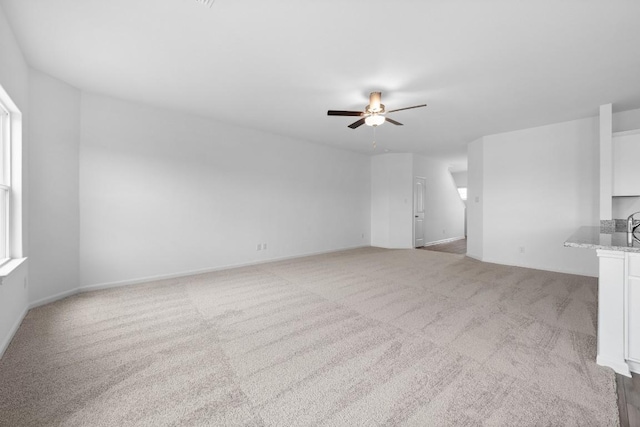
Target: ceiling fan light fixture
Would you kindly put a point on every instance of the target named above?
(374, 120)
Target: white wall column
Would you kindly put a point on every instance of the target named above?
(606, 161)
(475, 199)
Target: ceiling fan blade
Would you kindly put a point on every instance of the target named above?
(387, 119)
(407, 108)
(344, 113)
(356, 124)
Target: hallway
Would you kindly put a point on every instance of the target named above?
(455, 247)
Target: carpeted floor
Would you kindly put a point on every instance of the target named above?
(361, 337)
(455, 247)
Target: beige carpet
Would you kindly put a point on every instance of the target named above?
(361, 337)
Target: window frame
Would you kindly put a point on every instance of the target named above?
(12, 182)
(5, 183)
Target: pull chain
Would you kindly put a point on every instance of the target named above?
(374, 137)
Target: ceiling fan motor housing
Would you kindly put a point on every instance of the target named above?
(375, 106)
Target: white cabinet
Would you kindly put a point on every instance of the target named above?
(633, 311)
(619, 329)
(611, 319)
(626, 163)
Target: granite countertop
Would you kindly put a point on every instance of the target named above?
(604, 238)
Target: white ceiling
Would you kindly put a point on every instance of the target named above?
(482, 66)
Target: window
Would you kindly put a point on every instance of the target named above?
(463, 192)
(11, 255)
(5, 181)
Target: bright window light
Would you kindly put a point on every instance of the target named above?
(463, 193)
(5, 188)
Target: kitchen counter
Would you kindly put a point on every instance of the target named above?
(618, 293)
(601, 238)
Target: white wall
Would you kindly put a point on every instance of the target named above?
(49, 196)
(392, 200)
(54, 215)
(540, 186)
(444, 210)
(625, 206)
(380, 193)
(535, 187)
(460, 178)
(164, 193)
(14, 72)
(605, 160)
(475, 199)
(626, 120)
(14, 78)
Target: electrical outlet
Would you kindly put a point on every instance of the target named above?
(264, 246)
(443, 232)
(363, 235)
(521, 248)
(259, 248)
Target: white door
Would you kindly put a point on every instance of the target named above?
(418, 211)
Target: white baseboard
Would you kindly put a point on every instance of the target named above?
(634, 366)
(439, 242)
(477, 258)
(53, 298)
(7, 340)
(617, 365)
(89, 288)
(537, 267)
(108, 285)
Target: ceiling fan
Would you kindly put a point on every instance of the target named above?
(373, 114)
